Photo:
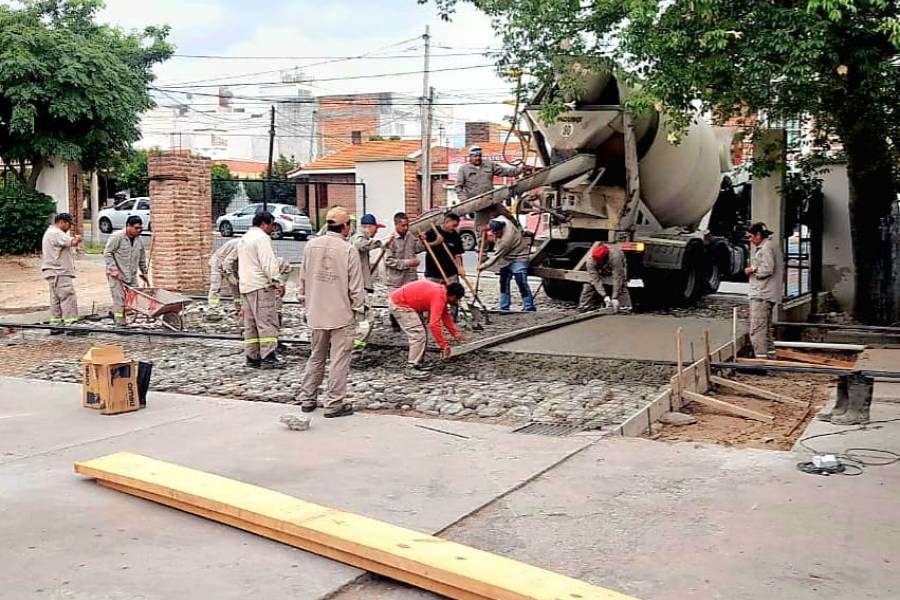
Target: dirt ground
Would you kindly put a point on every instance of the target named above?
(717, 428)
(23, 290)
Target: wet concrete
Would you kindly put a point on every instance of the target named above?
(631, 337)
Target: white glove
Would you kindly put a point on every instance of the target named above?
(363, 328)
(615, 305)
(607, 301)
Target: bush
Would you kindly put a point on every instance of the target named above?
(24, 217)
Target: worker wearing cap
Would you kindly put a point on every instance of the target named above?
(58, 268)
(126, 259)
(331, 287)
(400, 260)
(410, 304)
(606, 262)
(510, 257)
(364, 241)
(766, 274)
(477, 176)
(260, 283)
(223, 272)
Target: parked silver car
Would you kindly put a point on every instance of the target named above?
(289, 221)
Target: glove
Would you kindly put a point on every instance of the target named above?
(615, 305)
(363, 329)
(607, 301)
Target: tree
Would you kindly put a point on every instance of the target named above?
(281, 188)
(70, 88)
(130, 172)
(224, 189)
(833, 62)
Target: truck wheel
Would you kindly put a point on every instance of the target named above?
(560, 289)
(713, 276)
(665, 287)
(469, 241)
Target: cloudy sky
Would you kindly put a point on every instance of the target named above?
(300, 30)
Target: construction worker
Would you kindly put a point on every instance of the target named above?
(510, 256)
(400, 261)
(126, 259)
(606, 262)
(446, 235)
(259, 276)
(364, 241)
(409, 304)
(477, 176)
(766, 274)
(58, 268)
(331, 287)
(223, 272)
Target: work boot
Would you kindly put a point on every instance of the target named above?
(344, 410)
(56, 332)
(308, 406)
(840, 404)
(860, 395)
(414, 372)
(271, 362)
(253, 363)
(424, 366)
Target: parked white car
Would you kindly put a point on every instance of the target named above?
(114, 218)
(289, 221)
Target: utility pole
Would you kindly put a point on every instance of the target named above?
(268, 183)
(427, 101)
(312, 137)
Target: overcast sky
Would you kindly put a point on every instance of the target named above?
(324, 28)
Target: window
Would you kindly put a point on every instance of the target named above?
(356, 137)
(127, 205)
(290, 210)
(249, 210)
(143, 205)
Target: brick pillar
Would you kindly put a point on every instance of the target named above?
(75, 186)
(181, 211)
(412, 192)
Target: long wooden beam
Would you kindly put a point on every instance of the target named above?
(727, 407)
(423, 560)
(755, 391)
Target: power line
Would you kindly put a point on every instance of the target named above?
(336, 58)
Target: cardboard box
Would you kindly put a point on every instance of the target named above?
(110, 383)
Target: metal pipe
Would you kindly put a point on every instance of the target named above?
(821, 346)
(878, 328)
(813, 370)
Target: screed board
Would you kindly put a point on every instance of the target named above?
(419, 559)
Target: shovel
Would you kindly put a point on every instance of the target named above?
(476, 316)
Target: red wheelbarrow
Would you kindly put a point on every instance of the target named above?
(155, 303)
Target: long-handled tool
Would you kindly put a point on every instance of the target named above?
(476, 309)
(476, 316)
(381, 254)
(481, 249)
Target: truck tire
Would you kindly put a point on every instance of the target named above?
(560, 289)
(677, 287)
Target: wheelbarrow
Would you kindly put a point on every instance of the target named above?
(155, 303)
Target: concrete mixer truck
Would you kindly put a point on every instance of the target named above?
(613, 176)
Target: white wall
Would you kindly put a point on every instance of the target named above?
(838, 274)
(54, 182)
(384, 189)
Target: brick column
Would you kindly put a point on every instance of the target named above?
(181, 214)
(75, 185)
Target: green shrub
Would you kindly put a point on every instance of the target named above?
(24, 217)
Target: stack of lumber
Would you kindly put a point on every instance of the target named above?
(425, 561)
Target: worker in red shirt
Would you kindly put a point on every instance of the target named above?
(408, 306)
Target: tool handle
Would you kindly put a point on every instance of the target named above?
(437, 263)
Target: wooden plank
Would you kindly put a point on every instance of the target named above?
(411, 556)
(821, 346)
(679, 374)
(285, 538)
(756, 391)
(765, 362)
(727, 407)
(805, 357)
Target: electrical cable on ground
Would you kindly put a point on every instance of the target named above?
(852, 461)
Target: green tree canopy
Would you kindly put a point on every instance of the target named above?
(71, 88)
(834, 63)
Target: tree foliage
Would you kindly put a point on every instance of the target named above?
(71, 88)
(224, 189)
(130, 172)
(833, 63)
(24, 215)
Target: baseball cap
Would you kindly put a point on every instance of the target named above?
(496, 225)
(338, 216)
(64, 217)
(759, 227)
(369, 219)
(600, 253)
(474, 150)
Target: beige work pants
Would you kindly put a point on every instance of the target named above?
(761, 326)
(220, 282)
(63, 304)
(260, 323)
(118, 298)
(338, 345)
(411, 324)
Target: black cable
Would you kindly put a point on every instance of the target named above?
(855, 459)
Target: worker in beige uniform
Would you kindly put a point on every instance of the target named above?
(364, 241)
(331, 288)
(511, 258)
(259, 275)
(476, 177)
(607, 262)
(223, 273)
(766, 274)
(400, 260)
(126, 260)
(58, 268)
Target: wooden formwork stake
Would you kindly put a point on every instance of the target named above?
(679, 383)
(734, 317)
(707, 357)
